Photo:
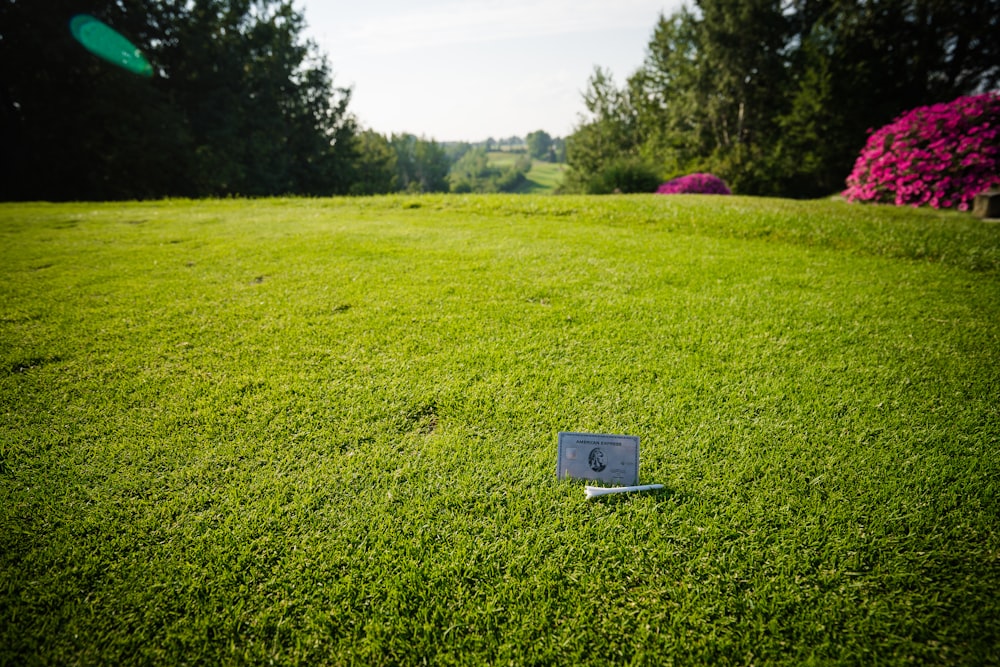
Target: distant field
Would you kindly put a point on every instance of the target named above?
(543, 178)
(323, 432)
(504, 158)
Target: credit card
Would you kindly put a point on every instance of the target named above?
(601, 457)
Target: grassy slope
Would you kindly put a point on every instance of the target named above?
(543, 177)
(323, 431)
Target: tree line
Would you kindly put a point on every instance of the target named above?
(239, 104)
(777, 96)
(406, 163)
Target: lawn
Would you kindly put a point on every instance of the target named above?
(323, 431)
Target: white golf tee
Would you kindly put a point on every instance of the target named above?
(594, 491)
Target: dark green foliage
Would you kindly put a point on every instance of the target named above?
(456, 150)
(406, 163)
(421, 165)
(613, 139)
(375, 169)
(623, 176)
(558, 149)
(776, 97)
(239, 104)
(540, 145)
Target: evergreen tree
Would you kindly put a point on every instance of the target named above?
(605, 152)
(776, 96)
(375, 169)
(860, 64)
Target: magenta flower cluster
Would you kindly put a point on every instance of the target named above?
(940, 156)
(701, 184)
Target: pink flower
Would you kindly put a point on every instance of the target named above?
(706, 184)
(942, 155)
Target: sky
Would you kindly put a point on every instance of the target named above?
(466, 71)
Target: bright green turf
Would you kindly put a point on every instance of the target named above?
(324, 432)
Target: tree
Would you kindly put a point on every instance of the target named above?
(421, 165)
(712, 87)
(884, 56)
(604, 151)
(375, 168)
(672, 96)
(239, 103)
(559, 149)
(540, 145)
(73, 126)
(775, 96)
(456, 150)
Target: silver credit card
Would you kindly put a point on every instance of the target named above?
(599, 456)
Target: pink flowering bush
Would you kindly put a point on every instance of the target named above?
(941, 155)
(702, 184)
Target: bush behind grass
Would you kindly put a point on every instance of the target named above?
(323, 431)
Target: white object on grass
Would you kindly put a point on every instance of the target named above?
(598, 457)
(594, 491)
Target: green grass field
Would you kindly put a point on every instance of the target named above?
(314, 431)
(543, 178)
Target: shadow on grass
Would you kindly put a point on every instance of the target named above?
(24, 365)
(659, 495)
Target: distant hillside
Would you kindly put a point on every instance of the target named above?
(543, 178)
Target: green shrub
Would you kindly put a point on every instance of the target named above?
(624, 176)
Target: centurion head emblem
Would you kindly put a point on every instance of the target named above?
(596, 460)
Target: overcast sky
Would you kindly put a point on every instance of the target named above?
(463, 71)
